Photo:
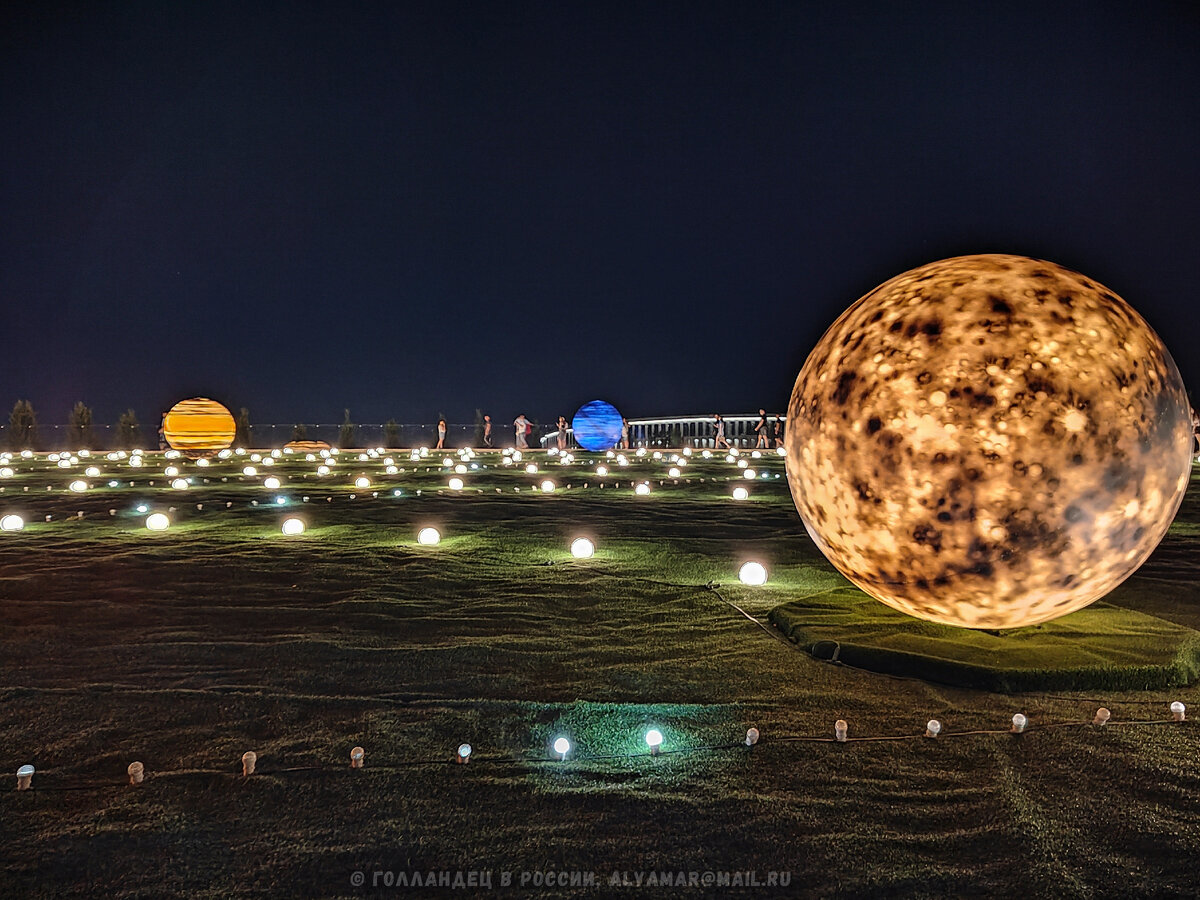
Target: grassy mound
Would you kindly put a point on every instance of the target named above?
(1102, 647)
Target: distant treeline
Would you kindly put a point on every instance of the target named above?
(82, 432)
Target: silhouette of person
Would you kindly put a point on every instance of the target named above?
(719, 432)
(763, 428)
(523, 427)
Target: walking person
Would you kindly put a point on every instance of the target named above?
(778, 432)
(719, 432)
(562, 433)
(487, 431)
(441, 434)
(523, 428)
(763, 428)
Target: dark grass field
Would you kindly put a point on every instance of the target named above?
(186, 648)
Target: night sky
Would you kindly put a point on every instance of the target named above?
(413, 209)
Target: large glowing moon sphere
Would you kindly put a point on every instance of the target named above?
(988, 441)
(597, 426)
(199, 427)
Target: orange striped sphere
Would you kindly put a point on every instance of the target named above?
(199, 426)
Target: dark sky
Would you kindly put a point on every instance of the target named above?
(409, 209)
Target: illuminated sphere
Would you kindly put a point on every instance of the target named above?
(293, 526)
(582, 548)
(740, 493)
(271, 483)
(988, 441)
(752, 573)
(642, 489)
(597, 425)
(157, 522)
(654, 738)
(78, 486)
(562, 746)
(428, 536)
(12, 523)
(456, 484)
(199, 427)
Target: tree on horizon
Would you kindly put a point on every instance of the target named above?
(22, 426)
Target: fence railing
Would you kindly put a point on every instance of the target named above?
(681, 431)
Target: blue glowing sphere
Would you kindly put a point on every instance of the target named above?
(597, 426)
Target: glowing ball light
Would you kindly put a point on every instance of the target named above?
(78, 486)
(428, 536)
(752, 573)
(548, 487)
(642, 489)
(988, 441)
(293, 526)
(654, 740)
(271, 483)
(91, 472)
(456, 484)
(180, 484)
(362, 483)
(199, 427)
(582, 548)
(158, 522)
(597, 425)
(249, 471)
(11, 523)
(740, 493)
(562, 747)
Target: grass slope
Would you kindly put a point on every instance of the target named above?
(186, 648)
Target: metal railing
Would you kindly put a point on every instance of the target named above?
(683, 431)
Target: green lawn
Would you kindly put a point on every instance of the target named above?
(185, 648)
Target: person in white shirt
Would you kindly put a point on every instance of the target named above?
(523, 427)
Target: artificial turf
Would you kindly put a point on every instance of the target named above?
(183, 649)
(1101, 647)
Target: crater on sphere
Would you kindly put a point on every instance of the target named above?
(988, 441)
